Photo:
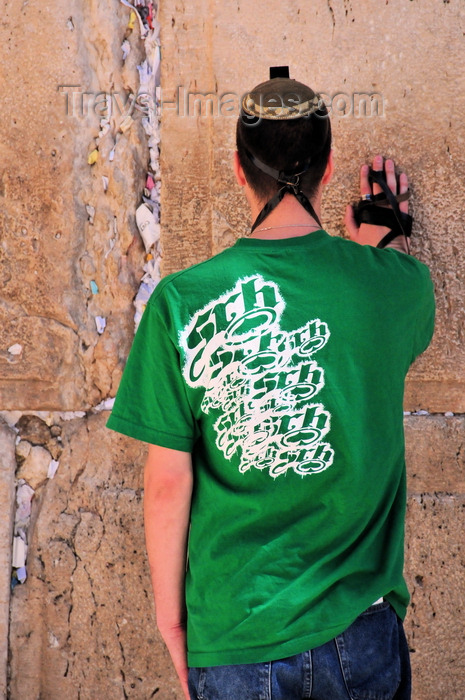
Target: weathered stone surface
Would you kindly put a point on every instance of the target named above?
(340, 53)
(34, 469)
(435, 561)
(83, 624)
(46, 133)
(435, 454)
(7, 499)
(435, 566)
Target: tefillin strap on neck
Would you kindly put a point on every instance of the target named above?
(281, 98)
(290, 184)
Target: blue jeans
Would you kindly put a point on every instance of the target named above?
(369, 661)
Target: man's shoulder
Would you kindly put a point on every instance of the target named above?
(202, 274)
(388, 260)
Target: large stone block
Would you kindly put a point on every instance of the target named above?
(435, 454)
(83, 626)
(435, 560)
(60, 229)
(435, 567)
(381, 100)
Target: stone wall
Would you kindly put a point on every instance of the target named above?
(82, 624)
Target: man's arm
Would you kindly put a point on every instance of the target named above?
(369, 234)
(167, 500)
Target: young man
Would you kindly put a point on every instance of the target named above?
(268, 382)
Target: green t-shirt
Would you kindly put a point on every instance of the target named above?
(280, 365)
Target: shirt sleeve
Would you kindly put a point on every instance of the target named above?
(151, 403)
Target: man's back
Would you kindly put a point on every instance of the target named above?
(280, 364)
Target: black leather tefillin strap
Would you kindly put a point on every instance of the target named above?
(290, 184)
(375, 210)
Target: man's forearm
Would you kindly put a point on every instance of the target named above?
(166, 513)
(167, 498)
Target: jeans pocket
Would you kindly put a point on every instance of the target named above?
(369, 654)
(237, 682)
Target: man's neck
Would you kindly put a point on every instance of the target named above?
(288, 220)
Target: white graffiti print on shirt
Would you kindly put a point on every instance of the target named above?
(263, 379)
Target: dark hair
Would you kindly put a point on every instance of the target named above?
(284, 145)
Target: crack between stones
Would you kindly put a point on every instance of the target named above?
(330, 8)
(123, 657)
